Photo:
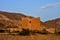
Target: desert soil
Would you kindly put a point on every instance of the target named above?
(31, 37)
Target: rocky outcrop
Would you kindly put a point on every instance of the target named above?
(55, 23)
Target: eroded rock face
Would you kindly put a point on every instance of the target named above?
(3, 17)
(31, 23)
(53, 25)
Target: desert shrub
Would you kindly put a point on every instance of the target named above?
(58, 33)
(16, 31)
(25, 32)
(1, 31)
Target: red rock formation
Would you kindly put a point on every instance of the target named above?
(30, 23)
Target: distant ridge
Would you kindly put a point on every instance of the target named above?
(13, 16)
(53, 23)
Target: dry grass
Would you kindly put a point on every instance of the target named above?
(31, 37)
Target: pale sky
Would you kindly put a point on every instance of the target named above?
(45, 9)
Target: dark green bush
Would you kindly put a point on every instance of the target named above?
(25, 32)
(2, 31)
(58, 32)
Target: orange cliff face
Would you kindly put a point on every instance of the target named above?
(30, 23)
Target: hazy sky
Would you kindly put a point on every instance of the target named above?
(45, 9)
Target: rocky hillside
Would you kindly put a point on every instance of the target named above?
(8, 19)
(55, 23)
(13, 16)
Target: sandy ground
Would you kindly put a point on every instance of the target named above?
(31, 37)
